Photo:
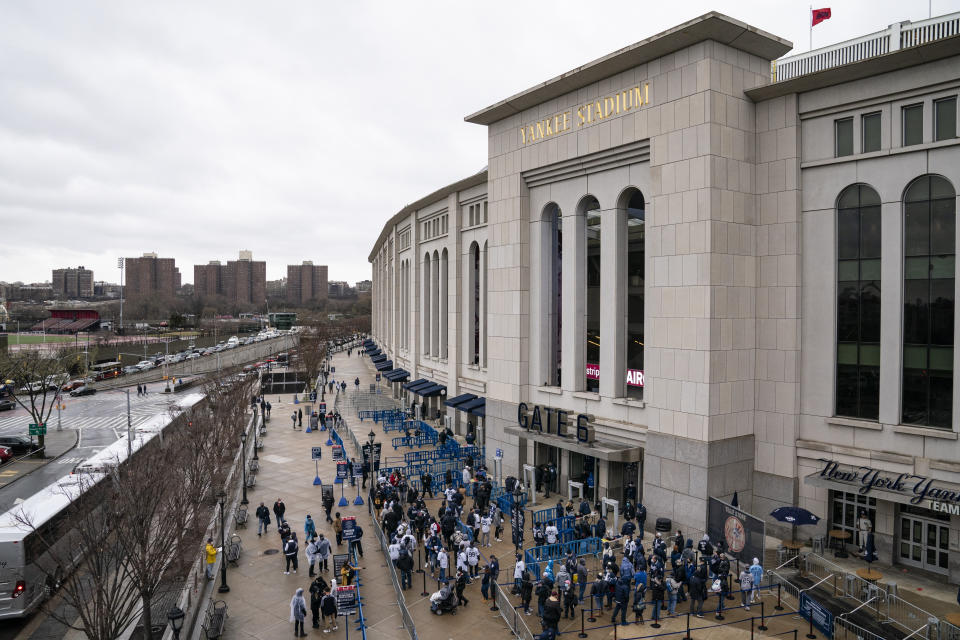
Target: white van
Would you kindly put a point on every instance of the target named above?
(232, 342)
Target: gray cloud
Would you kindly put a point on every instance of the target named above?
(292, 129)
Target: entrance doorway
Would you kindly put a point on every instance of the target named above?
(583, 469)
(924, 543)
(544, 454)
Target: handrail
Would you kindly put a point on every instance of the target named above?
(855, 609)
(818, 583)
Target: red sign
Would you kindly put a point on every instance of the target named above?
(593, 372)
(819, 15)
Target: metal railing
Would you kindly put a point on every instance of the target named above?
(949, 631)
(514, 618)
(401, 600)
(897, 36)
(843, 629)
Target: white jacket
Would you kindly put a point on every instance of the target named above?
(518, 569)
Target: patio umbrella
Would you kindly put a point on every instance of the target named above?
(795, 516)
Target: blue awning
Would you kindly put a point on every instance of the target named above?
(481, 411)
(415, 383)
(379, 358)
(374, 353)
(431, 390)
(396, 375)
(423, 385)
(463, 397)
(469, 406)
(386, 365)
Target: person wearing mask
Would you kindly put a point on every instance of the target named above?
(639, 597)
(569, 600)
(526, 591)
(317, 588)
(552, 611)
(518, 569)
(263, 519)
(656, 596)
(746, 586)
(443, 561)
(460, 586)
(328, 607)
(290, 550)
(756, 573)
(621, 596)
(485, 584)
(672, 589)
(581, 577)
(298, 612)
(597, 592)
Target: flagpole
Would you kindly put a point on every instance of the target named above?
(810, 22)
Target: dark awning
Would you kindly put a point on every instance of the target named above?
(430, 390)
(470, 405)
(415, 383)
(423, 385)
(386, 365)
(379, 357)
(463, 397)
(396, 375)
(481, 411)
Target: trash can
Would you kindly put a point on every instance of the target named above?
(664, 525)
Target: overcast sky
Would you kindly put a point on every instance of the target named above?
(293, 129)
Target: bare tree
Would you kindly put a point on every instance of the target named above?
(96, 585)
(38, 377)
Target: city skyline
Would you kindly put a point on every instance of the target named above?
(204, 141)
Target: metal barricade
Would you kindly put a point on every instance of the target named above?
(401, 600)
(514, 618)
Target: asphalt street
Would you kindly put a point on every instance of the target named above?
(100, 419)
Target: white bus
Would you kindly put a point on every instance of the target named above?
(27, 574)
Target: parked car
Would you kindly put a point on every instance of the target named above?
(131, 369)
(83, 391)
(7, 404)
(5, 454)
(19, 445)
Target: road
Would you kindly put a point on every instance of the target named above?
(100, 419)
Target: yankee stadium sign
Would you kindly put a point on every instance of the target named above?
(919, 488)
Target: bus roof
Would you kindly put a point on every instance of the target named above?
(103, 365)
(54, 498)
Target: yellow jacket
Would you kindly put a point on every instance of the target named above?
(211, 554)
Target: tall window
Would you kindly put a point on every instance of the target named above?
(928, 301)
(485, 329)
(554, 282)
(435, 307)
(633, 289)
(444, 301)
(912, 124)
(425, 315)
(843, 135)
(870, 132)
(475, 302)
(858, 303)
(945, 119)
(591, 212)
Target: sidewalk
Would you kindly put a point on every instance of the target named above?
(476, 619)
(57, 444)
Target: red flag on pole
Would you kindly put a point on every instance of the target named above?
(819, 15)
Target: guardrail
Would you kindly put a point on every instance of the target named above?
(949, 631)
(900, 35)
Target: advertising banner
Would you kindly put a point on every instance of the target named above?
(349, 528)
(346, 600)
(741, 534)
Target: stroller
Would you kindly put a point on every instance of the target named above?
(444, 601)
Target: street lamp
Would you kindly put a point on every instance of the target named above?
(223, 588)
(175, 617)
(256, 429)
(243, 464)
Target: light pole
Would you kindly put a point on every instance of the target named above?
(223, 588)
(129, 427)
(175, 617)
(120, 265)
(243, 464)
(255, 430)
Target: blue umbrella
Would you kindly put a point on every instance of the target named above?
(794, 515)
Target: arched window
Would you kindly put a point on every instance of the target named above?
(633, 289)
(929, 248)
(858, 303)
(444, 302)
(590, 209)
(553, 251)
(425, 315)
(483, 302)
(473, 296)
(435, 306)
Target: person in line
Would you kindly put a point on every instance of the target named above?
(621, 596)
(298, 611)
(211, 552)
(323, 553)
(290, 549)
(311, 552)
(639, 597)
(756, 573)
(551, 613)
(338, 528)
(309, 528)
(317, 588)
(328, 506)
(526, 592)
(263, 519)
(279, 509)
(328, 607)
(673, 588)
(746, 587)
(460, 586)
